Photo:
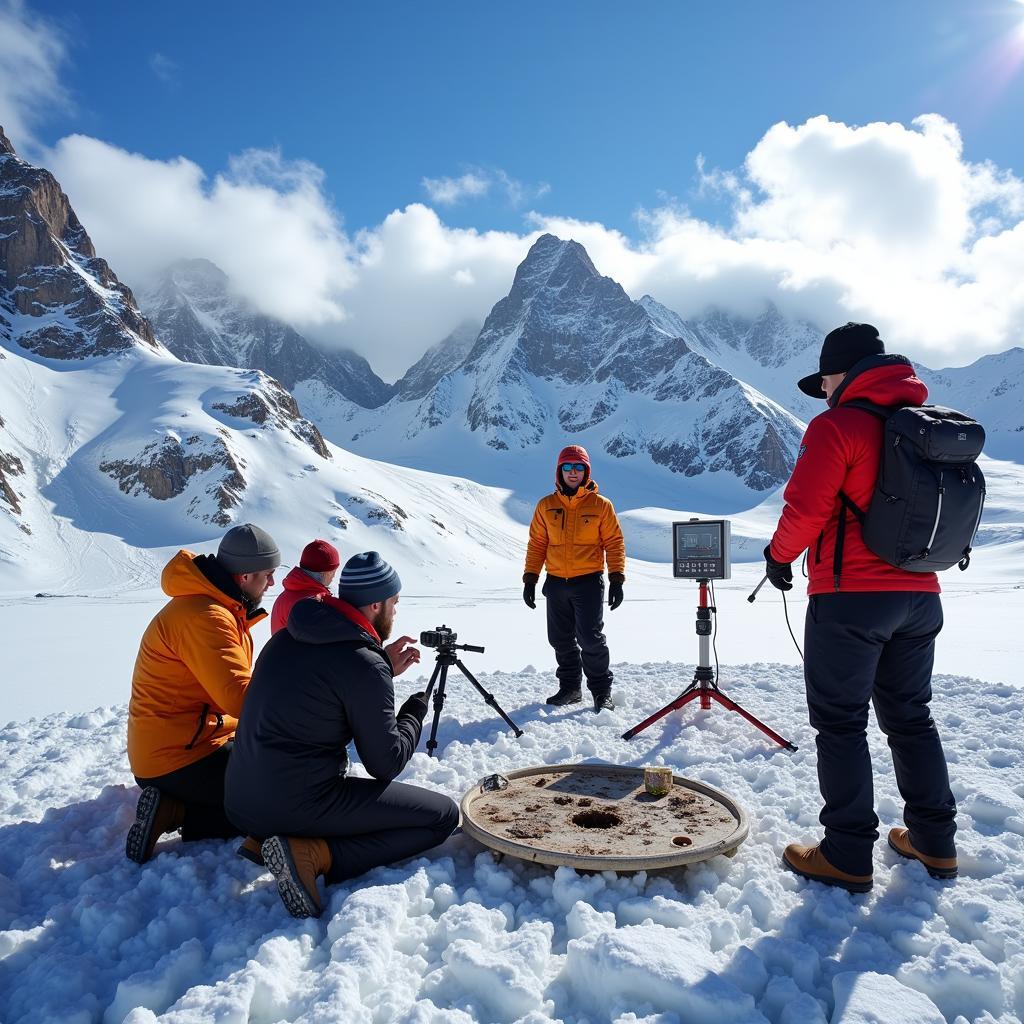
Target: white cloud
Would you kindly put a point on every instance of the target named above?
(415, 279)
(884, 223)
(448, 191)
(32, 51)
(265, 222)
(164, 68)
(477, 183)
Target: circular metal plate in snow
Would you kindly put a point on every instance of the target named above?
(599, 817)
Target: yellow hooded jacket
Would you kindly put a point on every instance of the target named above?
(191, 673)
(573, 535)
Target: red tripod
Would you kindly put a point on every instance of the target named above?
(704, 685)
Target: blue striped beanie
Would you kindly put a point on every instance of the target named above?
(367, 579)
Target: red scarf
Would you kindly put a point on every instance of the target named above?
(351, 613)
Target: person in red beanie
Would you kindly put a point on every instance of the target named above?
(573, 532)
(312, 577)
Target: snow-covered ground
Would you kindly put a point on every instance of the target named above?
(200, 935)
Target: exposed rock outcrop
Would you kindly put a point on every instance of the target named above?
(52, 274)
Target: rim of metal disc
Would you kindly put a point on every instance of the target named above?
(606, 862)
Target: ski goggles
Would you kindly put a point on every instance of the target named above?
(573, 467)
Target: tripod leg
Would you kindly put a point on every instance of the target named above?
(690, 693)
(439, 696)
(489, 698)
(731, 705)
(433, 679)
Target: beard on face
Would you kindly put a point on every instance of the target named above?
(383, 622)
(255, 588)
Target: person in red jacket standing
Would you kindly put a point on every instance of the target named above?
(312, 577)
(870, 629)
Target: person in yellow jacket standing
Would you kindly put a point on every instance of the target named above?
(191, 673)
(574, 530)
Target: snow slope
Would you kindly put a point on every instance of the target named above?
(200, 935)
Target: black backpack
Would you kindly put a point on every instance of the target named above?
(929, 494)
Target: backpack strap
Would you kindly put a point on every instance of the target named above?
(881, 411)
(846, 503)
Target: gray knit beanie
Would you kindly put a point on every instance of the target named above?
(367, 579)
(247, 548)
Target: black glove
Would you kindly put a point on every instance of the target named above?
(414, 707)
(615, 581)
(530, 589)
(780, 574)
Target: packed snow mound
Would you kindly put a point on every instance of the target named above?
(200, 935)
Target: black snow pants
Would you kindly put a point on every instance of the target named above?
(200, 787)
(575, 610)
(367, 823)
(877, 647)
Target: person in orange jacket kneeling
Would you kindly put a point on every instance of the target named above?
(193, 667)
(573, 532)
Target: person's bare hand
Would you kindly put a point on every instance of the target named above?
(401, 654)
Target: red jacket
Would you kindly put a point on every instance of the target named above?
(841, 451)
(298, 585)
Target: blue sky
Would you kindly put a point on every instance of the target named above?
(606, 104)
(374, 173)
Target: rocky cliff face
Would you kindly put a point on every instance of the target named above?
(197, 316)
(62, 301)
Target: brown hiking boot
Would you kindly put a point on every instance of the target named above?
(296, 864)
(938, 867)
(155, 814)
(810, 862)
(251, 850)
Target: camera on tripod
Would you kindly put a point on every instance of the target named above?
(443, 640)
(439, 636)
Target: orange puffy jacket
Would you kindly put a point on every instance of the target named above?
(574, 535)
(193, 667)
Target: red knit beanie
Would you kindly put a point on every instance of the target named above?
(572, 453)
(319, 556)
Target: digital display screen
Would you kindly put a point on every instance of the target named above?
(700, 549)
(699, 541)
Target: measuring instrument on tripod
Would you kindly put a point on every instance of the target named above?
(700, 552)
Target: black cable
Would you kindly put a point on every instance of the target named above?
(785, 608)
(714, 634)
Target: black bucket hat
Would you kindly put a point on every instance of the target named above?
(842, 348)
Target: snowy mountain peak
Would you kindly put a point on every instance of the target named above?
(6, 149)
(552, 262)
(568, 355)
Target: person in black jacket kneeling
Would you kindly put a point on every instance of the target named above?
(325, 680)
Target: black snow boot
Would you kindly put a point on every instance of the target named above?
(603, 701)
(565, 695)
(155, 814)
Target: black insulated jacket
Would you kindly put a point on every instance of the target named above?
(317, 685)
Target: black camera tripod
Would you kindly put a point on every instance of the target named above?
(704, 686)
(446, 657)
